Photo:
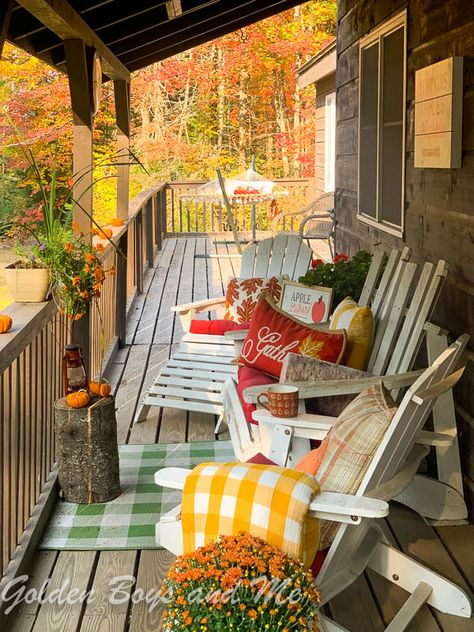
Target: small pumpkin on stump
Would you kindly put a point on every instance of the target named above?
(5, 323)
(78, 399)
(100, 388)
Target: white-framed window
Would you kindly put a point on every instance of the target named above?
(329, 141)
(382, 105)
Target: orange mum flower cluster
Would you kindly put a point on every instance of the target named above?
(239, 583)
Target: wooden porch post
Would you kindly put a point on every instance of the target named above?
(80, 90)
(5, 13)
(122, 114)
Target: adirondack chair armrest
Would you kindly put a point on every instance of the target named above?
(328, 388)
(327, 505)
(304, 421)
(198, 306)
(172, 477)
(339, 507)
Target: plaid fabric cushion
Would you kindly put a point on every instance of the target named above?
(266, 501)
(351, 444)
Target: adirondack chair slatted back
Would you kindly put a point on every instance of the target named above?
(420, 311)
(389, 319)
(283, 254)
(396, 445)
(403, 303)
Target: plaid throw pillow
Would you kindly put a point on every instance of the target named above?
(351, 444)
(242, 296)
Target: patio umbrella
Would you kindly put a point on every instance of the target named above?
(248, 187)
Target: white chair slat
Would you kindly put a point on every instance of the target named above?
(393, 269)
(277, 255)
(382, 312)
(305, 254)
(292, 253)
(262, 258)
(188, 394)
(372, 278)
(411, 317)
(247, 262)
(387, 331)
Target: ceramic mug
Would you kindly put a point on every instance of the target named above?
(282, 400)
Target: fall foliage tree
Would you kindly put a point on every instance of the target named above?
(215, 105)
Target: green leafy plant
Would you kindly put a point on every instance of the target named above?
(239, 583)
(345, 275)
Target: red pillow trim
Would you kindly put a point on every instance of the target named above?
(215, 327)
(273, 334)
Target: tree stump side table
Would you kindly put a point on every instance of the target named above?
(87, 451)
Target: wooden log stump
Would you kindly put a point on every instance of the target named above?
(87, 451)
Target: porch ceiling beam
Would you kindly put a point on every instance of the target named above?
(5, 14)
(62, 19)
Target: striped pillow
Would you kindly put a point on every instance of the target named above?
(351, 444)
(358, 323)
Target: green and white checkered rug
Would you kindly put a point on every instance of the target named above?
(128, 522)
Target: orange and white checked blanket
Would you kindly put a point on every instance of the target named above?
(267, 501)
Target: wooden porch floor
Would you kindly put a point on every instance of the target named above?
(367, 606)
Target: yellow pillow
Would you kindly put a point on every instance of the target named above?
(358, 323)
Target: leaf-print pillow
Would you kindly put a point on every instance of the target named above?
(242, 296)
(273, 334)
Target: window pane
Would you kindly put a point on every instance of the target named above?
(391, 159)
(368, 131)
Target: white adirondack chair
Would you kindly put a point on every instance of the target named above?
(359, 542)
(202, 363)
(401, 325)
(193, 378)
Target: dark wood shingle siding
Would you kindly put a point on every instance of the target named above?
(439, 203)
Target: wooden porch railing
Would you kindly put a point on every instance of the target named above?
(187, 216)
(31, 373)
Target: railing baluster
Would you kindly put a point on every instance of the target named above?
(148, 228)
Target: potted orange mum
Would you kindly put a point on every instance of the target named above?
(239, 583)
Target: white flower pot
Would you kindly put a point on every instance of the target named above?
(27, 285)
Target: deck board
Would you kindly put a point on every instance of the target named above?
(366, 606)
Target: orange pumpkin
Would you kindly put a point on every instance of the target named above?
(5, 323)
(78, 399)
(116, 221)
(102, 388)
(104, 233)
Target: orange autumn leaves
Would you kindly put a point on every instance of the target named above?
(242, 296)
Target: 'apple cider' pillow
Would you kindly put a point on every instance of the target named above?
(273, 334)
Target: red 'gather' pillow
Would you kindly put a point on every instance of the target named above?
(273, 334)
